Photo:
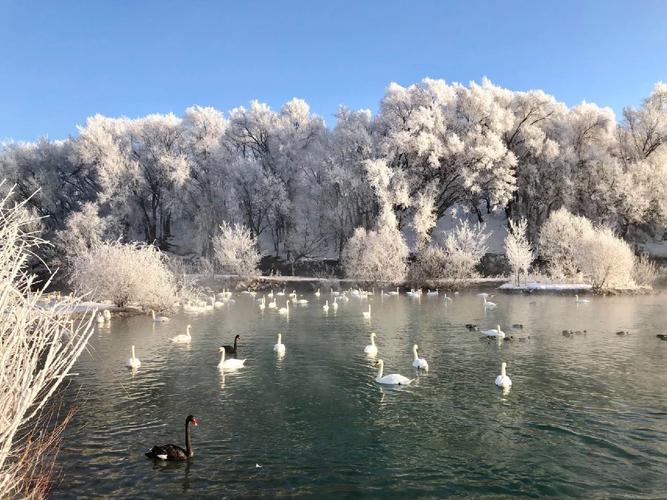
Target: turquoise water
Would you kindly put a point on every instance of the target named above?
(587, 415)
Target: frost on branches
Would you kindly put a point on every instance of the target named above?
(125, 273)
(235, 250)
(518, 250)
(560, 240)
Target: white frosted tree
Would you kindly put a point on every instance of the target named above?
(518, 249)
(235, 250)
(605, 260)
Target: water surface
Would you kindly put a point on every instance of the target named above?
(587, 414)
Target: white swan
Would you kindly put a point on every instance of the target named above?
(367, 314)
(279, 347)
(371, 349)
(273, 304)
(483, 295)
(432, 292)
(394, 292)
(229, 364)
(489, 305)
(133, 362)
(317, 294)
(447, 299)
(99, 318)
(184, 338)
(391, 379)
(503, 380)
(284, 310)
(159, 319)
(494, 332)
(217, 304)
(580, 301)
(262, 304)
(281, 293)
(270, 294)
(107, 314)
(302, 302)
(335, 304)
(326, 306)
(419, 363)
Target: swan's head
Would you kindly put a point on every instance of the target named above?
(373, 335)
(238, 337)
(503, 369)
(192, 420)
(498, 327)
(280, 336)
(415, 347)
(379, 362)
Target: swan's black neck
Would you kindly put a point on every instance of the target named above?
(188, 441)
(236, 339)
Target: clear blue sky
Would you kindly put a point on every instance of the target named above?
(61, 61)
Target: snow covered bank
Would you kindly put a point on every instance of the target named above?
(550, 287)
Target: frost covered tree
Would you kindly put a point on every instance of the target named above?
(517, 249)
(235, 250)
(125, 273)
(83, 230)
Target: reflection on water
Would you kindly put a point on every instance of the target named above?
(586, 415)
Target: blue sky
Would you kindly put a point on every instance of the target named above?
(61, 61)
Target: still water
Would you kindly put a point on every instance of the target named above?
(586, 416)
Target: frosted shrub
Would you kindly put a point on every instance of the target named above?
(605, 260)
(376, 255)
(124, 273)
(517, 249)
(645, 271)
(38, 346)
(456, 258)
(559, 242)
(83, 230)
(235, 250)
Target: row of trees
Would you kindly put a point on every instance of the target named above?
(303, 189)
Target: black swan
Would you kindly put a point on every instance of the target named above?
(231, 349)
(173, 452)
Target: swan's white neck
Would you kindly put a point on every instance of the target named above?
(187, 331)
(499, 330)
(414, 350)
(380, 368)
(503, 369)
(153, 313)
(279, 338)
(133, 355)
(373, 339)
(222, 355)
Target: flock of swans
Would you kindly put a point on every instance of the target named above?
(371, 350)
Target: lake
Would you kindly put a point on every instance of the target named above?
(586, 416)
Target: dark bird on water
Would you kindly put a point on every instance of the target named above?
(231, 349)
(173, 452)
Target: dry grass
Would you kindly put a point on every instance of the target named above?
(39, 344)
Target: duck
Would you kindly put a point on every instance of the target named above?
(279, 347)
(371, 349)
(494, 332)
(580, 301)
(489, 305)
(662, 336)
(284, 310)
(159, 319)
(231, 349)
(391, 379)
(472, 327)
(419, 363)
(172, 452)
(503, 380)
(367, 314)
(184, 338)
(133, 362)
(325, 307)
(622, 332)
(229, 364)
